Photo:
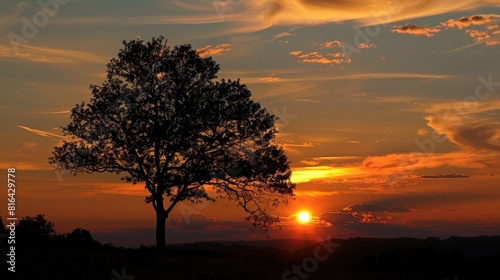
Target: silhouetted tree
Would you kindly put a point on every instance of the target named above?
(35, 229)
(80, 237)
(160, 119)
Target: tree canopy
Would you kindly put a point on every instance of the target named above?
(35, 229)
(162, 120)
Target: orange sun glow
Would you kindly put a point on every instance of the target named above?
(303, 217)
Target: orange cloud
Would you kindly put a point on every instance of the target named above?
(317, 76)
(315, 194)
(493, 42)
(411, 162)
(270, 79)
(309, 162)
(472, 20)
(478, 35)
(369, 12)
(464, 126)
(309, 173)
(331, 44)
(315, 57)
(25, 165)
(283, 34)
(366, 46)
(217, 50)
(489, 20)
(469, 127)
(291, 147)
(255, 15)
(337, 160)
(416, 30)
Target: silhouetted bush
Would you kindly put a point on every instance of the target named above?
(80, 237)
(35, 230)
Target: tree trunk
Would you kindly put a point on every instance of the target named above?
(160, 230)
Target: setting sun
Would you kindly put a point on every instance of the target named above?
(304, 217)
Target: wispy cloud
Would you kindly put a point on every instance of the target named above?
(270, 79)
(214, 50)
(471, 127)
(50, 55)
(391, 76)
(319, 11)
(25, 165)
(292, 147)
(411, 162)
(307, 100)
(315, 76)
(315, 194)
(87, 189)
(338, 158)
(489, 42)
(254, 15)
(445, 176)
(7, 20)
(28, 147)
(148, 20)
(367, 46)
(41, 132)
(370, 207)
(282, 35)
(64, 112)
(331, 44)
(464, 127)
(193, 7)
(309, 173)
(315, 57)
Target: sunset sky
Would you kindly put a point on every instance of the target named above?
(389, 111)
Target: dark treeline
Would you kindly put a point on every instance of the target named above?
(44, 254)
(37, 231)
